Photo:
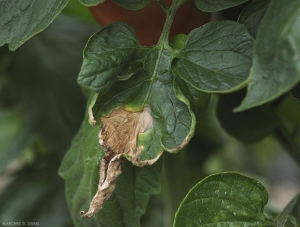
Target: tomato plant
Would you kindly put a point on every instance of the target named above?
(168, 120)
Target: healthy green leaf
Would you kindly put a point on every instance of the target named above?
(248, 126)
(291, 213)
(20, 20)
(216, 57)
(132, 4)
(225, 199)
(80, 169)
(253, 14)
(117, 45)
(276, 66)
(216, 5)
(91, 2)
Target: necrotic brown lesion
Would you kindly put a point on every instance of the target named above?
(118, 136)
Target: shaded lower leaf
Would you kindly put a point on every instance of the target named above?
(80, 169)
(253, 14)
(216, 57)
(247, 126)
(225, 199)
(276, 56)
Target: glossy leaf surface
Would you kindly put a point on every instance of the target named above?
(20, 20)
(216, 57)
(276, 56)
(226, 199)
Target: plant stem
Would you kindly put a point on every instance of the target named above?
(163, 5)
(163, 40)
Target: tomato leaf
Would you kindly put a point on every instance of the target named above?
(290, 214)
(276, 56)
(132, 4)
(20, 20)
(253, 14)
(216, 57)
(216, 5)
(80, 169)
(137, 78)
(225, 199)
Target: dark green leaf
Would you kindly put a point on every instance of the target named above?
(216, 57)
(40, 80)
(226, 199)
(80, 169)
(216, 5)
(291, 213)
(132, 4)
(117, 45)
(253, 14)
(296, 92)
(248, 126)
(276, 56)
(20, 20)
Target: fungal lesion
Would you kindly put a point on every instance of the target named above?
(118, 137)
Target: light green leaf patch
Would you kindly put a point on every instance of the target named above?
(276, 67)
(216, 5)
(216, 57)
(20, 20)
(225, 199)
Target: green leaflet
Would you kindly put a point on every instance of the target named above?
(216, 5)
(216, 57)
(290, 216)
(225, 199)
(80, 169)
(20, 20)
(276, 56)
(91, 2)
(253, 14)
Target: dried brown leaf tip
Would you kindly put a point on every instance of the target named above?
(118, 137)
